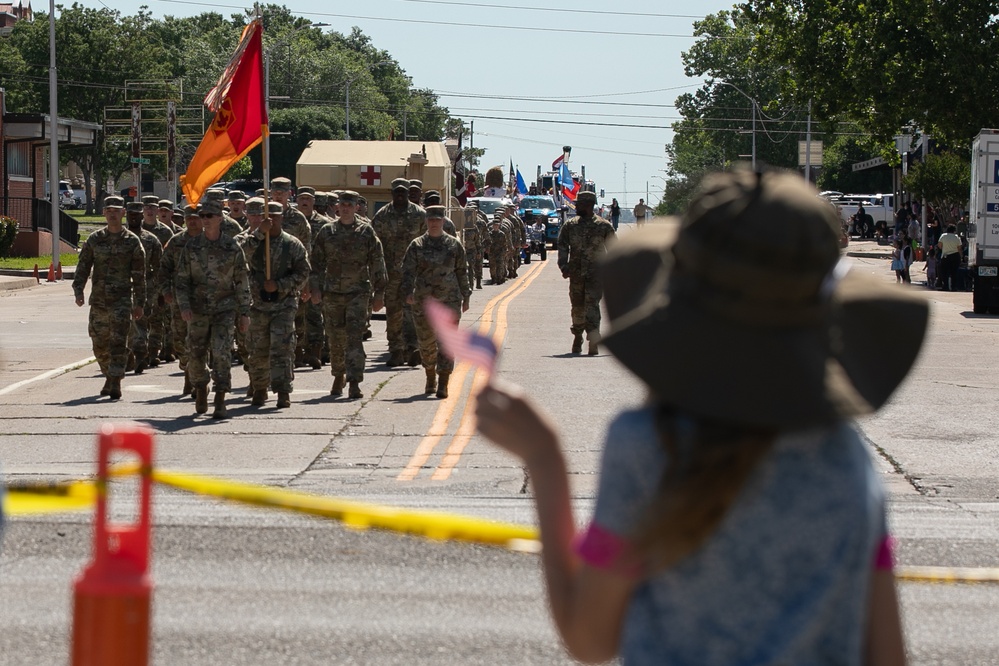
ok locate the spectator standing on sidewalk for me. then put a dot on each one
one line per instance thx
(738, 503)
(641, 212)
(950, 247)
(615, 213)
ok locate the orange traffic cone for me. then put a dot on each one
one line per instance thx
(113, 595)
(37, 279)
(51, 273)
(59, 271)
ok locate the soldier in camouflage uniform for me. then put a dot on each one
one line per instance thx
(415, 191)
(296, 224)
(236, 200)
(348, 266)
(227, 225)
(433, 198)
(315, 330)
(582, 242)
(435, 267)
(397, 224)
(143, 354)
(155, 314)
(115, 257)
(519, 232)
(275, 301)
(473, 235)
(168, 278)
(164, 214)
(211, 288)
(255, 214)
(499, 241)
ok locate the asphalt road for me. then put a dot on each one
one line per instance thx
(253, 586)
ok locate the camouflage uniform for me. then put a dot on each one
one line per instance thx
(348, 266)
(315, 330)
(498, 244)
(297, 225)
(582, 241)
(272, 323)
(434, 267)
(473, 235)
(212, 283)
(396, 230)
(158, 318)
(168, 279)
(140, 332)
(118, 264)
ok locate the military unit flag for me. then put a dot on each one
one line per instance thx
(240, 122)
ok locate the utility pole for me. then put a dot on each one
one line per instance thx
(54, 193)
(624, 185)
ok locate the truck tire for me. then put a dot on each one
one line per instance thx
(527, 256)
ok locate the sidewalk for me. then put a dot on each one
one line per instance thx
(11, 278)
(868, 249)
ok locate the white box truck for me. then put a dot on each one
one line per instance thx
(983, 227)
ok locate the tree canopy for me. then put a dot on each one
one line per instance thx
(310, 70)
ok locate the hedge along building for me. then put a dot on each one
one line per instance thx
(369, 167)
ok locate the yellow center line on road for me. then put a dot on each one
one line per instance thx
(447, 408)
(466, 428)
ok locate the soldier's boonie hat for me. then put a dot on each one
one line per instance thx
(400, 184)
(307, 191)
(275, 208)
(236, 195)
(416, 184)
(165, 203)
(150, 200)
(114, 202)
(190, 211)
(348, 196)
(435, 212)
(134, 207)
(586, 196)
(214, 194)
(431, 196)
(255, 206)
(281, 184)
(753, 277)
(209, 207)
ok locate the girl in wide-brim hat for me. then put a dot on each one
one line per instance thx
(739, 518)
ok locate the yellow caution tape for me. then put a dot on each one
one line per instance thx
(947, 574)
(358, 515)
(39, 498)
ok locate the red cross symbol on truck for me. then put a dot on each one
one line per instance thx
(371, 176)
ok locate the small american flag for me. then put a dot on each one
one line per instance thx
(460, 344)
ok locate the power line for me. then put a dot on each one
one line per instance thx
(554, 9)
(529, 28)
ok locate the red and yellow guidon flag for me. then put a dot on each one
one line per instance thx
(240, 121)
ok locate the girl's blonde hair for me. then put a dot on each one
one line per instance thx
(708, 465)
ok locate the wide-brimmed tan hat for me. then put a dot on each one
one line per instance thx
(743, 310)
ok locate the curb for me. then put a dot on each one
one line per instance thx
(868, 255)
(22, 283)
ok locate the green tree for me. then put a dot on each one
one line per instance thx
(886, 64)
(838, 159)
(303, 125)
(943, 180)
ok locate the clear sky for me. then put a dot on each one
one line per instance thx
(615, 65)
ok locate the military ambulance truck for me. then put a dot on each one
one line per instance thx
(983, 227)
(369, 167)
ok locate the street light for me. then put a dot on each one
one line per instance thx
(753, 104)
(351, 80)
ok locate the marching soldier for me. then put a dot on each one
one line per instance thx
(397, 225)
(168, 283)
(279, 269)
(164, 213)
(255, 214)
(315, 330)
(435, 267)
(211, 288)
(115, 257)
(296, 224)
(227, 225)
(155, 315)
(348, 265)
(582, 241)
(415, 191)
(140, 335)
(473, 235)
(433, 198)
(236, 200)
(499, 241)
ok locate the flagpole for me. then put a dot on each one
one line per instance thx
(265, 152)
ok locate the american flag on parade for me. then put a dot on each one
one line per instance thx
(460, 344)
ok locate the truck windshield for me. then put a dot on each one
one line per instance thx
(537, 202)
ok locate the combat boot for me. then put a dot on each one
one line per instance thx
(355, 391)
(431, 381)
(153, 359)
(415, 358)
(106, 389)
(187, 386)
(396, 358)
(312, 355)
(140, 365)
(283, 400)
(337, 386)
(366, 335)
(259, 397)
(249, 391)
(478, 283)
(130, 363)
(219, 412)
(200, 399)
(442, 384)
(594, 340)
(577, 343)
(300, 358)
(114, 388)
